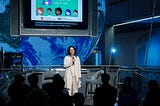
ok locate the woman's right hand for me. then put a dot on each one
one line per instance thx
(73, 60)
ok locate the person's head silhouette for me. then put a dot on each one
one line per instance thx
(33, 79)
(105, 78)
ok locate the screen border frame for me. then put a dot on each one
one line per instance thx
(92, 29)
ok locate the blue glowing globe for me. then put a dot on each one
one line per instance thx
(49, 50)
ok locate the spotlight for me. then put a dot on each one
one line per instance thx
(113, 50)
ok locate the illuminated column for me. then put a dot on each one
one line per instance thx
(109, 40)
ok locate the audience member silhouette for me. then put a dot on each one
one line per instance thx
(152, 97)
(37, 97)
(48, 87)
(105, 95)
(56, 92)
(78, 99)
(17, 91)
(33, 81)
(127, 94)
(2, 99)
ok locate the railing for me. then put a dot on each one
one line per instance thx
(9, 72)
(141, 77)
(117, 68)
(134, 70)
(138, 71)
(51, 67)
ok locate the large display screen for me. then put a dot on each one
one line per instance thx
(66, 14)
(53, 18)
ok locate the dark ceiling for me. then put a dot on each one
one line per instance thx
(120, 11)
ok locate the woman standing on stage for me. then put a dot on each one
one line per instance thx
(73, 71)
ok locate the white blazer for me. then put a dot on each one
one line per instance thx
(72, 70)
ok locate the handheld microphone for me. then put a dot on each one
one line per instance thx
(73, 60)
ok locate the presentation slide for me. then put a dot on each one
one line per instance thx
(57, 10)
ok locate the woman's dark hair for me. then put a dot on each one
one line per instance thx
(58, 9)
(68, 53)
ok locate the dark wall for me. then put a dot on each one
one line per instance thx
(127, 44)
(137, 48)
